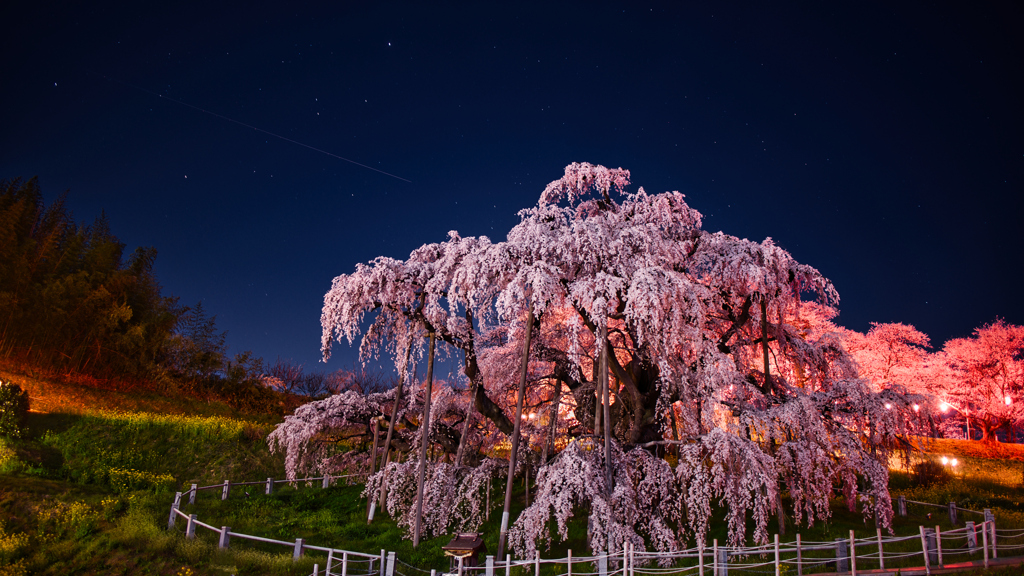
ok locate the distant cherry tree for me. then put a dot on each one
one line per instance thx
(891, 353)
(721, 396)
(984, 378)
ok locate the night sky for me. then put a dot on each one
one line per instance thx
(885, 148)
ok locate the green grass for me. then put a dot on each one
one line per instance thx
(88, 490)
(88, 486)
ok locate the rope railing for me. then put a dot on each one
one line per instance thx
(931, 547)
(352, 563)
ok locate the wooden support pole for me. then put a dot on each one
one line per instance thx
(391, 430)
(938, 543)
(373, 460)
(524, 365)
(608, 480)
(424, 441)
(552, 424)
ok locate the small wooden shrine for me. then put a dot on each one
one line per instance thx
(466, 545)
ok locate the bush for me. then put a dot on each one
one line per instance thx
(930, 472)
(13, 409)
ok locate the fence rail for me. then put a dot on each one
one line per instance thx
(930, 549)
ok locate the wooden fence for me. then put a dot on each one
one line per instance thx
(930, 549)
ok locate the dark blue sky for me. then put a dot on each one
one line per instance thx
(884, 146)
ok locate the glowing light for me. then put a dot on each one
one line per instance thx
(888, 406)
(943, 406)
(533, 415)
(945, 460)
(953, 462)
(1007, 400)
(917, 408)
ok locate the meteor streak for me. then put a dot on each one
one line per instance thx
(267, 132)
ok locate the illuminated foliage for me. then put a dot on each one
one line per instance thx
(710, 362)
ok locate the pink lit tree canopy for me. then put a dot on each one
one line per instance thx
(724, 389)
(983, 377)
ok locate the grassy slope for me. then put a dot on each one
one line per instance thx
(90, 486)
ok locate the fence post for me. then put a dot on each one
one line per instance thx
(381, 562)
(508, 565)
(952, 513)
(344, 563)
(881, 551)
(602, 564)
(902, 505)
(777, 568)
(390, 570)
(972, 537)
(799, 557)
(190, 529)
(270, 489)
(724, 561)
(330, 560)
(297, 552)
(174, 515)
(714, 557)
(327, 481)
(489, 566)
(938, 544)
(853, 555)
(192, 494)
(460, 565)
(225, 537)
(984, 541)
(316, 570)
(842, 555)
(995, 551)
(536, 563)
(924, 551)
(227, 490)
(700, 560)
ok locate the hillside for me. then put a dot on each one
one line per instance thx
(88, 488)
